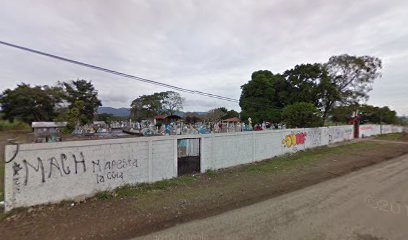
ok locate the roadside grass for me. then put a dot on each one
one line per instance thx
(285, 162)
(213, 173)
(6, 125)
(305, 158)
(392, 136)
(134, 190)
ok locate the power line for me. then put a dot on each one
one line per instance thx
(120, 73)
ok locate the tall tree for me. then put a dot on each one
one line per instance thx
(343, 80)
(353, 76)
(149, 106)
(263, 97)
(231, 114)
(82, 96)
(146, 106)
(368, 113)
(26, 103)
(304, 80)
(171, 102)
(216, 114)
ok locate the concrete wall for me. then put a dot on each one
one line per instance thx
(368, 130)
(52, 172)
(226, 150)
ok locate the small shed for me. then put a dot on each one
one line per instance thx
(47, 131)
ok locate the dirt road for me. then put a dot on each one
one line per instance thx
(369, 204)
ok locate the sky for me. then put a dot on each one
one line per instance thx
(211, 46)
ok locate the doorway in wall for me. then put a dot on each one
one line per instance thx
(188, 156)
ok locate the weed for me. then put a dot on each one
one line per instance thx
(391, 136)
(15, 125)
(212, 173)
(137, 189)
(104, 195)
(305, 157)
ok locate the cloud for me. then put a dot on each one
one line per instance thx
(211, 46)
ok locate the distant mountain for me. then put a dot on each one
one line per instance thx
(120, 112)
(183, 114)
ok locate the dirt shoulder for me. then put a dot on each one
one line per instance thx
(135, 211)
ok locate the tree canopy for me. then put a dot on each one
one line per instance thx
(83, 102)
(353, 76)
(171, 102)
(28, 104)
(343, 80)
(149, 106)
(302, 114)
(263, 97)
(368, 114)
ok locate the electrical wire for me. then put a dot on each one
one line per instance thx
(176, 88)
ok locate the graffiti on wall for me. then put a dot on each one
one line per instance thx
(294, 139)
(40, 170)
(366, 128)
(314, 137)
(339, 134)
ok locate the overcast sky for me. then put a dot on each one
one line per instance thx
(211, 46)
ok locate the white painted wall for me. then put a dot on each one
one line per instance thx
(52, 172)
(368, 130)
(48, 173)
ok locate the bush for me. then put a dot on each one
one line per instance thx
(302, 114)
(15, 125)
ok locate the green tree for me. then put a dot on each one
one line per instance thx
(192, 119)
(368, 113)
(263, 97)
(149, 106)
(304, 80)
(311, 83)
(171, 102)
(146, 106)
(353, 76)
(378, 115)
(302, 114)
(28, 104)
(342, 114)
(343, 80)
(221, 113)
(230, 114)
(82, 96)
(216, 114)
(74, 116)
(106, 117)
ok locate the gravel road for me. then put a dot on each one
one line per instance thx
(369, 204)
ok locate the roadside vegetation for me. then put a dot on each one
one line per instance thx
(280, 163)
(132, 211)
(6, 125)
(393, 137)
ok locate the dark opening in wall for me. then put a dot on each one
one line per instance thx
(188, 156)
